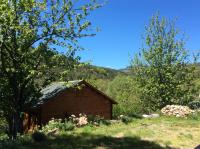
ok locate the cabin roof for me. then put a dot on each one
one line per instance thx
(56, 88)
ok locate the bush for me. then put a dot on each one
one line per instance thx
(82, 120)
(38, 136)
(125, 119)
(3, 125)
(57, 124)
(97, 120)
(3, 129)
(105, 122)
(194, 104)
(67, 126)
(3, 136)
(136, 116)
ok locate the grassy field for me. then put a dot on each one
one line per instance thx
(158, 133)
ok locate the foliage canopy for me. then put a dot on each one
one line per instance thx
(163, 70)
(30, 33)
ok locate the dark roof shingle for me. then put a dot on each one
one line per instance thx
(55, 88)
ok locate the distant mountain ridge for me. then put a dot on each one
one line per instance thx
(99, 72)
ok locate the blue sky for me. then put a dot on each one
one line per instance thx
(122, 24)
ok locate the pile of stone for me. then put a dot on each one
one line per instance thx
(176, 110)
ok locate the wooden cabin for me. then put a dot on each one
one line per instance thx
(61, 100)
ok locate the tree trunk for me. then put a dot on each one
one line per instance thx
(15, 123)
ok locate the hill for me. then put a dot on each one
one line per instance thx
(95, 72)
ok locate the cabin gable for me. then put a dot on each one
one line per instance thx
(82, 98)
(76, 101)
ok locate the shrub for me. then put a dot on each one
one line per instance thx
(136, 116)
(194, 104)
(97, 120)
(82, 120)
(58, 125)
(125, 119)
(52, 124)
(38, 136)
(3, 125)
(3, 136)
(3, 128)
(67, 126)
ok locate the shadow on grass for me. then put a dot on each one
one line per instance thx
(86, 141)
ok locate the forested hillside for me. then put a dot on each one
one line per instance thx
(92, 72)
(95, 72)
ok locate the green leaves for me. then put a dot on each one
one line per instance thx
(162, 69)
(30, 31)
(124, 90)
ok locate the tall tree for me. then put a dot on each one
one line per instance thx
(30, 31)
(162, 68)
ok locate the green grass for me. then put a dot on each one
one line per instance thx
(159, 133)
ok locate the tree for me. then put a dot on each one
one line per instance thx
(163, 68)
(124, 90)
(30, 31)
